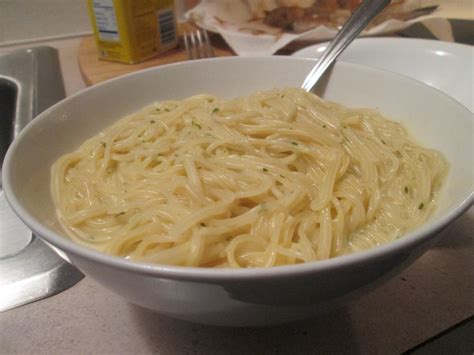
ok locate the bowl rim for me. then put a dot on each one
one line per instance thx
(413, 42)
(191, 273)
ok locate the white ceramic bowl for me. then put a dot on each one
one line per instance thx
(227, 296)
(443, 65)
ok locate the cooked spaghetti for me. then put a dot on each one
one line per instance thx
(279, 177)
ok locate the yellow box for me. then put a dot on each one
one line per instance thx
(131, 31)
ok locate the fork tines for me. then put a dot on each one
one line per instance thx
(198, 45)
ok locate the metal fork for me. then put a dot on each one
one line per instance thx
(359, 19)
(198, 45)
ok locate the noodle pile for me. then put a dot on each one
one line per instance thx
(279, 177)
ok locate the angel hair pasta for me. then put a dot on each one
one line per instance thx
(275, 178)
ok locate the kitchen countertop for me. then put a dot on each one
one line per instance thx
(427, 298)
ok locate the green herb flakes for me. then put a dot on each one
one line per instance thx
(421, 206)
(196, 124)
(215, 110)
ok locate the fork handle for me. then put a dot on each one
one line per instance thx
(359, 19)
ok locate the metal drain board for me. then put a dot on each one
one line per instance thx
(30, 82)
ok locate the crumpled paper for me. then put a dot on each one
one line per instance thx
(232, 19)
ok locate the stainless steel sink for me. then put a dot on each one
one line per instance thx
(30, 82)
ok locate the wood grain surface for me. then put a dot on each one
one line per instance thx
(94, 70)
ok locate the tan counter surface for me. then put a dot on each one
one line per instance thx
(430, 296)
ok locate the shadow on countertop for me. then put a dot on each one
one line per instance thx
(169, 336)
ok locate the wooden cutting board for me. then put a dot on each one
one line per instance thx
(94, 70)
